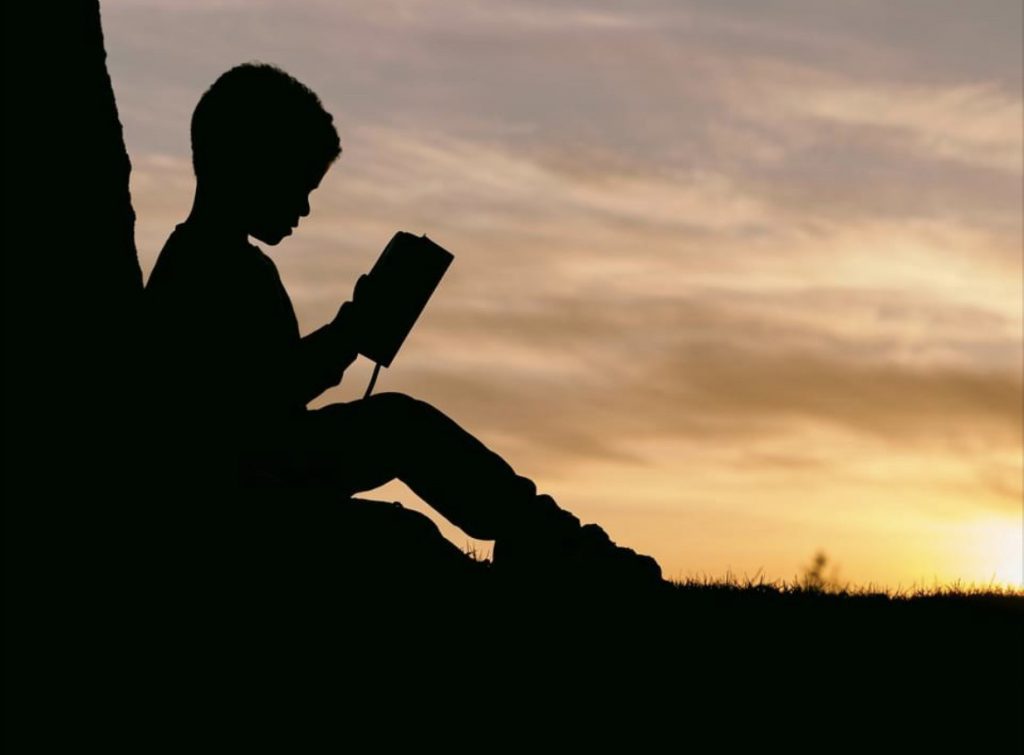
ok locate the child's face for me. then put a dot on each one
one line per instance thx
(275, 200)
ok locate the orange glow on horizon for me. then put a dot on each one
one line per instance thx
(733, 298)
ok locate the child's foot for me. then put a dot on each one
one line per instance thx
(557, 549)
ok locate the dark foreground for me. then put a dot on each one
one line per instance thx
(252, 626)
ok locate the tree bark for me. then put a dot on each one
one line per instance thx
(72, 292)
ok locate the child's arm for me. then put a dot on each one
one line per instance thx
(326, 353)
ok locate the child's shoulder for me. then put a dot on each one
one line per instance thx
(193, 261)
(196, 246)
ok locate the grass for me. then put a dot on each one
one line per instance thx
(803, 586)
(813, 582)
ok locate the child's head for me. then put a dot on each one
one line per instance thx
(261, 142)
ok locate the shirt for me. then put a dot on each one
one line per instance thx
(224, 347)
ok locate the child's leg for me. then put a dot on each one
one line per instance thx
(362, 444)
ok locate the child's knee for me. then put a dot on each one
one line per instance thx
(392, 401)
(400, 406)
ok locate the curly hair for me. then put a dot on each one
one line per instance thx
(255, 112)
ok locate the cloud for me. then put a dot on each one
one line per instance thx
(978, 124)
(708, 259)
(565, 383)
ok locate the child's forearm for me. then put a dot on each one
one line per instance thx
(326, 353)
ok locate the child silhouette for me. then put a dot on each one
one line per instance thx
(236, 374)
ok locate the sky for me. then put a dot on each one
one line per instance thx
(740, 280)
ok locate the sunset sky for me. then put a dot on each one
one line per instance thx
(738, 280)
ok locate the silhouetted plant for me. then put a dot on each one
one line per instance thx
(814, 578)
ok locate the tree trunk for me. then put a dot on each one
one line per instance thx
(72, 291)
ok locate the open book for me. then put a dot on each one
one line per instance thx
(403, 280)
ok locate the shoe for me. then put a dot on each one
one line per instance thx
(554, 549)
(617, 563)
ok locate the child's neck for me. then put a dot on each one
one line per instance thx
(212, 219)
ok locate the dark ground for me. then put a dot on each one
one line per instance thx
(255, 626)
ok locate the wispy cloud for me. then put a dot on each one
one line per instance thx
(757, 272)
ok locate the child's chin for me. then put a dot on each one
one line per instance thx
(272, 238)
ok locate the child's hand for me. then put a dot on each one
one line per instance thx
(362, 288)
(354, 316)
(360, 304)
